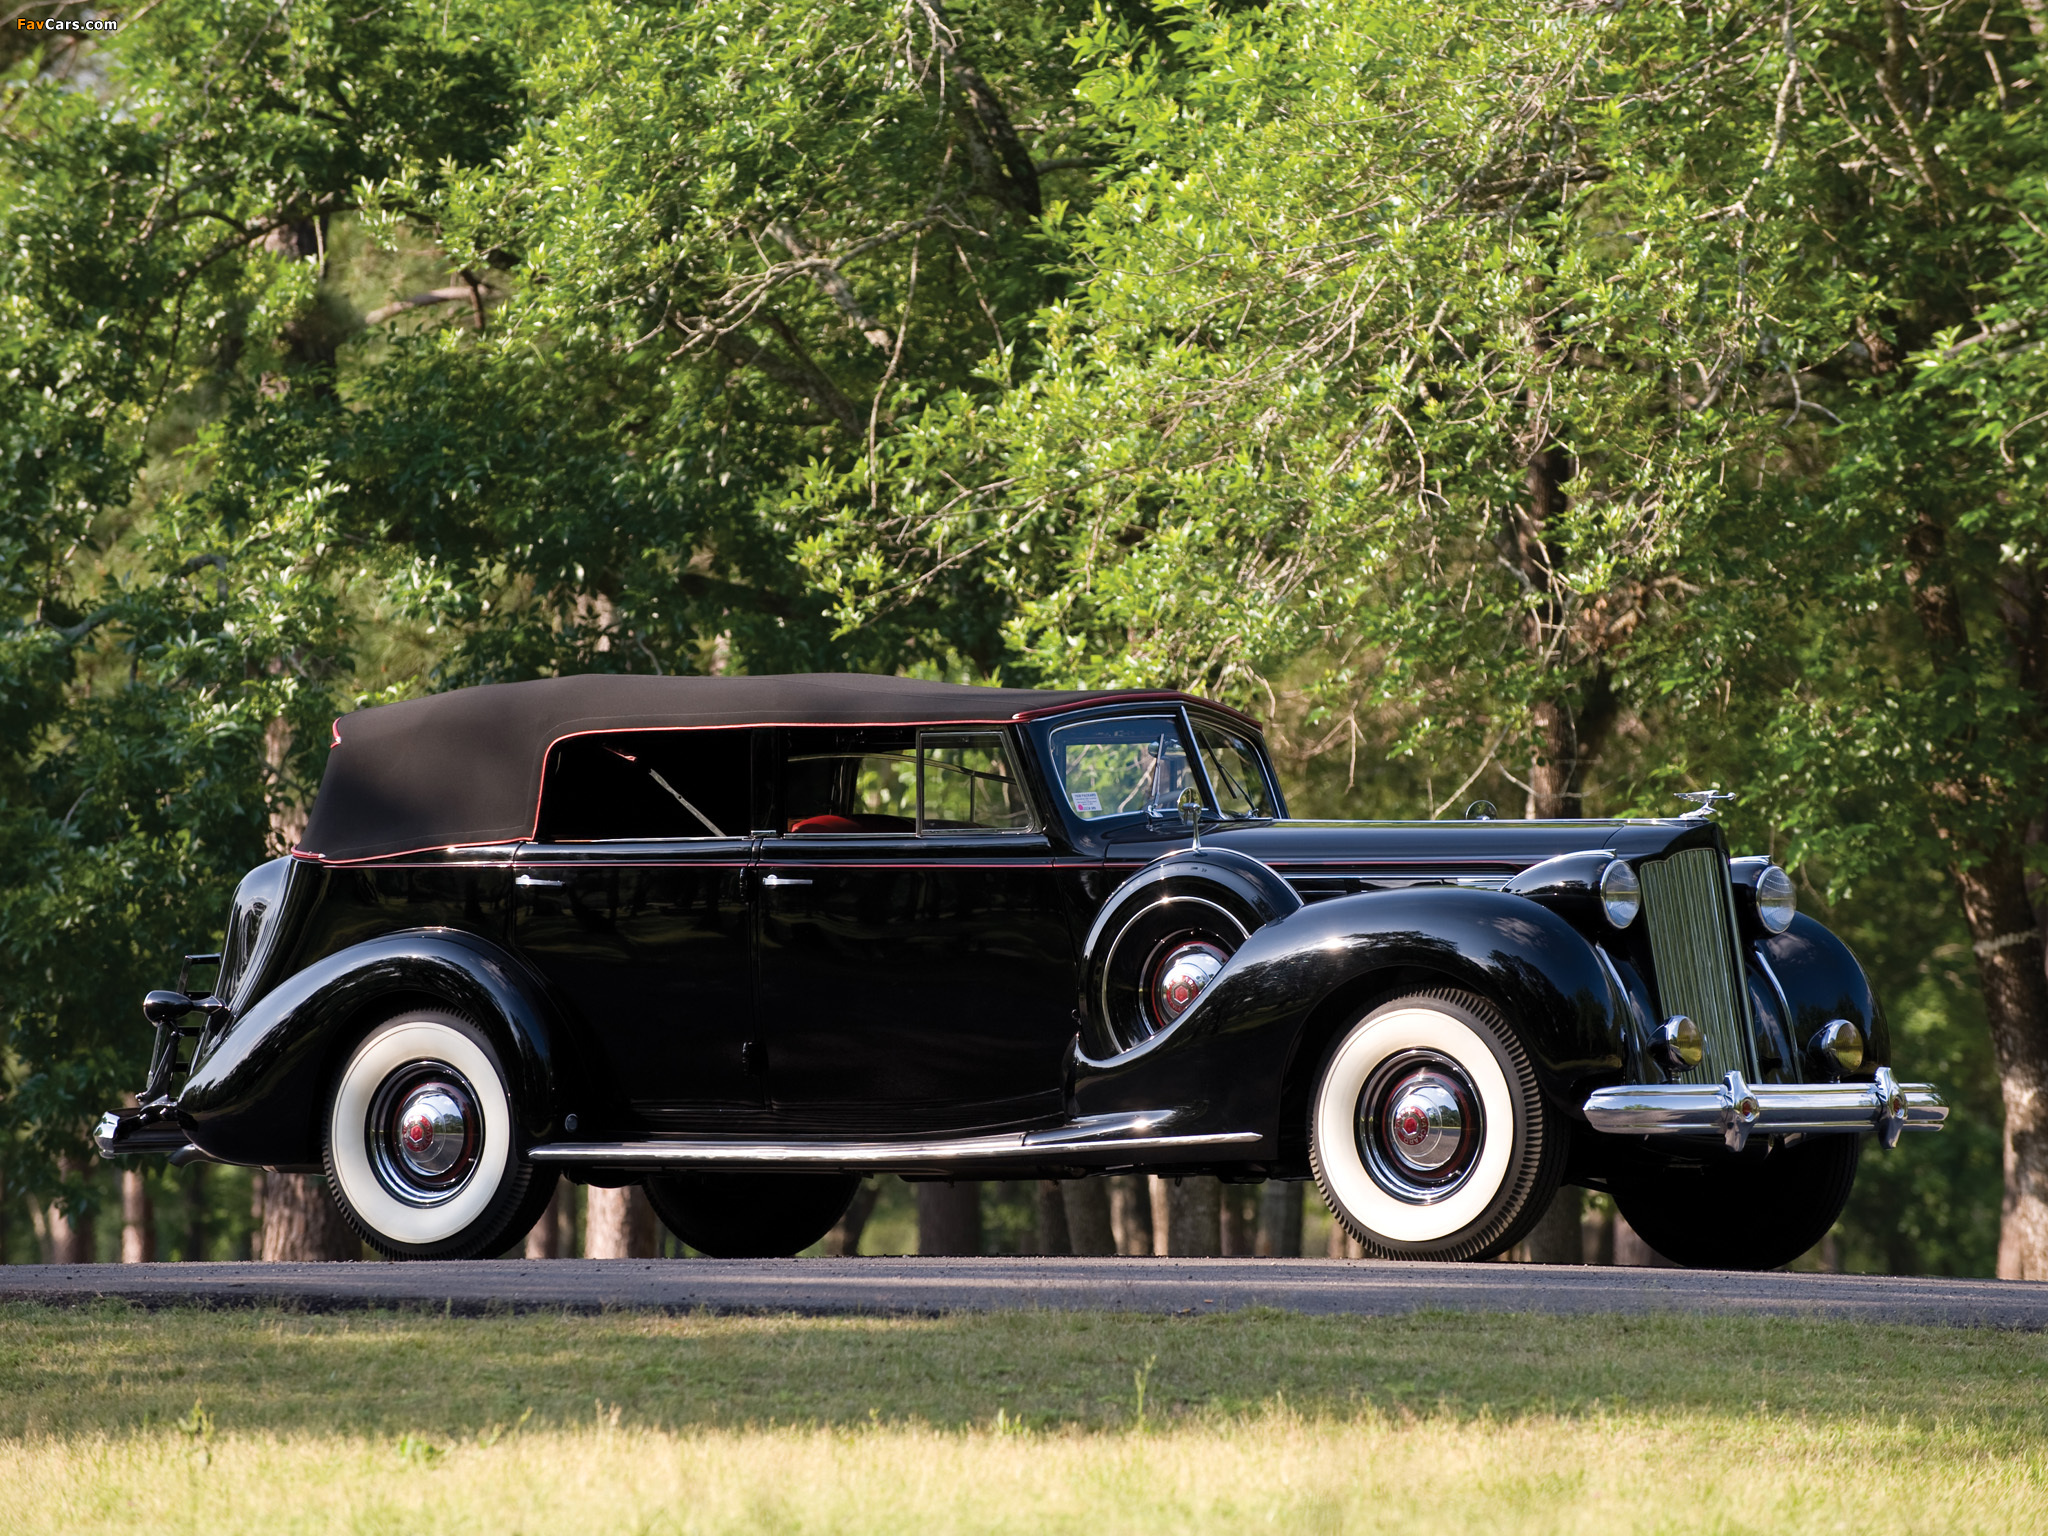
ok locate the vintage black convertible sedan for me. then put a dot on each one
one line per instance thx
(744, 940)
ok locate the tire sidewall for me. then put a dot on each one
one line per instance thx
(473, 1216)
(1470, 1221)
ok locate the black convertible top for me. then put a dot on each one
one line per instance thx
(465, 767)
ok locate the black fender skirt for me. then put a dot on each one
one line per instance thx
(1267, 1019)
(258, 1088)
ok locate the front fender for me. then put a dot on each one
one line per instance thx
(258, 1086)
(1271, 1010)
(1822, 981)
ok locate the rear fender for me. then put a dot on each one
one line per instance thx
(1272, 1011)
(258, 1086)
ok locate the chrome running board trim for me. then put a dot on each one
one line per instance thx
(1733, 1109)
(1105, 1140)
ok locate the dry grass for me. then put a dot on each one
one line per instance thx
(1018, 1422)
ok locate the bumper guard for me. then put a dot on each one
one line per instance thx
(1732, 1109)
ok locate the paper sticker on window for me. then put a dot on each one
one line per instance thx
(1087, 802)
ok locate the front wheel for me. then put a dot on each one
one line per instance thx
(750, 1215)
(1742, 1213)
(1429, 1135)
(420, 1148)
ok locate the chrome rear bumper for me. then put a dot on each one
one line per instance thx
(1732, 1109)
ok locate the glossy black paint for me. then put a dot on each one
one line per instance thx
(890, 985)
(648, 947)
(1276, 1007)
(257, 1092)
(913, 983)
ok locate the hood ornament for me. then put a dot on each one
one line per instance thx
(1704, 801)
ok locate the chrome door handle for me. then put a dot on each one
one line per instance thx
(781, 880)
(531, 880)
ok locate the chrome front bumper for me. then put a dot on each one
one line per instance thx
(1732, 1109)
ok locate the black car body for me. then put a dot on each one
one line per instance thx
(746, 939)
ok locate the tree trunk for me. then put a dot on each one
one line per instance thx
(195, 1211)
(844, 1238)
(619, 1224)
(1091, 1228)
(301, 1223)
(1053, 1236)
(1186, 1217)
(1279, 1233)
(545, 1240)
(1130, 1213)
(72, 1238)
(1631, 1251)
(257, 1189)
(1556, 1239)
(1596, 1235)
(949, 1218)
(138, 1219)
(1240, 1207)
(2008, 942)
(1990, 877)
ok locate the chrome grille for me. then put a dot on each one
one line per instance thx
(1691, 913)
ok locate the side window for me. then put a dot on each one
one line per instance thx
(1235, 772)
(881, 782)
(1120, 767)
(969, 785)
(646, 785)
(850, 782)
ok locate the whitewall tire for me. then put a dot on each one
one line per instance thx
(1428, 1133)
(420, 1143)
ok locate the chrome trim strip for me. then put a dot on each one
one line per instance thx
(1107, 1139)
(1734, 1109)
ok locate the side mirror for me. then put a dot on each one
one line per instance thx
(1190, 804)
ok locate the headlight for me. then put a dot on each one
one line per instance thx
(1775, 899)
(1621, 894)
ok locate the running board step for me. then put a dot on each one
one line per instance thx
(1099, 1141)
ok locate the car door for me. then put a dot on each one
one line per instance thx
(633, 901)
(915, 968)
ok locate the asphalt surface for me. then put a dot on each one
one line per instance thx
(931, 1286)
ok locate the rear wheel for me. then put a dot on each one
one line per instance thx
(1743, 1213)
(419, 1144)
(1429, 1136)
(750, 1215)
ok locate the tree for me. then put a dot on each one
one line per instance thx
(1494, 350)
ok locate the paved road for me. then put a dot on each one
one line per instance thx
(928, 1286)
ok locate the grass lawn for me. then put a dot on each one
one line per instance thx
(215, 1422)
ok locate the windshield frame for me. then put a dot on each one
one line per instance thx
(1123, 826)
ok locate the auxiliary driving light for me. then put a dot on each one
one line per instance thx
(1680, 1044)
(1838, 1044)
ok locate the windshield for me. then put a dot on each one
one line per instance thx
(1121, 767)
(1234, 770)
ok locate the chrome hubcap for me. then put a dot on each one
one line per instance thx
(424, 1133)
(1182, 977)
(1419, 1127)
(1425, 1123)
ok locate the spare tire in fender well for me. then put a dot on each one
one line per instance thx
(1230, 884)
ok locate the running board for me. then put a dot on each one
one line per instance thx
(1111, 1141)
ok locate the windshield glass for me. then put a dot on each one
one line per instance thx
(1234, 770)
(1121, 767)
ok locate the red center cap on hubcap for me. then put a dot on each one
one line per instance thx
(418, 1132)
(1412, 1126)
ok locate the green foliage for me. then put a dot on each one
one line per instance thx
(1602, 390)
